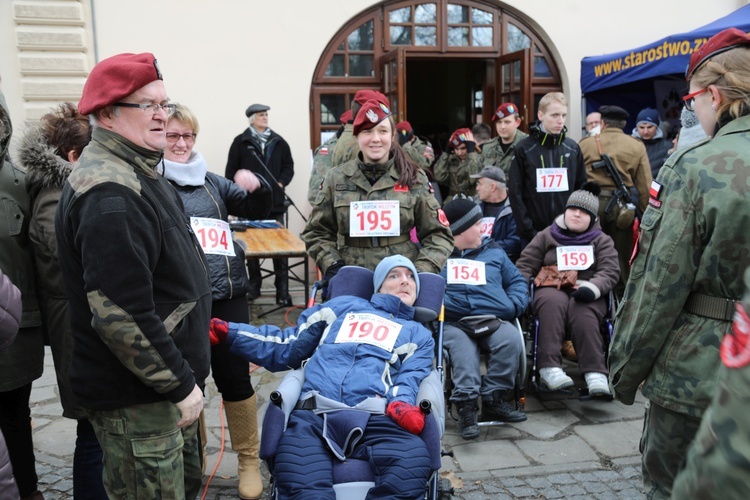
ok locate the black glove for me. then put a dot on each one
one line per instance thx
(471, 146)
(330, 273)
(584, 294)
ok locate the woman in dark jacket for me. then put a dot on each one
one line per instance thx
(208, 200)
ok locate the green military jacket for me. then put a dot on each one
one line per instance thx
(452, 172)
(694, 242)
(322, 163)
(327, 232)
(418, 158)
(493, 154)
(346, 147)
(424, 148)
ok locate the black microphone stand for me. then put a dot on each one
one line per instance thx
(287, 200)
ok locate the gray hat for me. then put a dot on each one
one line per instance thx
(491, 172)
(586, 198)
(256, 108)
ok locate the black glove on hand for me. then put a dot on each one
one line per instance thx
(584, 294)
(330, 273)
(471, 146)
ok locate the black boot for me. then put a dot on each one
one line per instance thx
(467, 419)
(254, 279)
(282, 282)
(497, 409)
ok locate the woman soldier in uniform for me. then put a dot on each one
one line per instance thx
(366, 207)
(687, 274)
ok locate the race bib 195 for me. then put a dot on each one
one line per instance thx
(374, 218)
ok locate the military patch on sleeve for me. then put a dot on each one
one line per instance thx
(442, 218)
(400, 189)
(654, 194)
(112, 205)
(735, 348)
(323, 150)
(432, 191)
(346, 187)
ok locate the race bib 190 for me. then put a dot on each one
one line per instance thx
(213, 235)
(550, 180)
(578, 258)
(466, 272)
(367, 328)
(374, 218)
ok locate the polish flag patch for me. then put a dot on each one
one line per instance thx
(654, 193)
(323, 150)
(400, 189)
(735, 348)
(442, 218)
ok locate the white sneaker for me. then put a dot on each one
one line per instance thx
(555, 378)
(597, 383)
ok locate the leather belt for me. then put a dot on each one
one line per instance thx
(607, 192)
(709, 306)
(306, 404)
(376, 241)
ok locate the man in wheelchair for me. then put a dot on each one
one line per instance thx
(485, 293)
(363, 361)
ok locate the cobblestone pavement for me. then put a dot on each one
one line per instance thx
(566, 449)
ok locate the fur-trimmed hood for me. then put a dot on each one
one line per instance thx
(44, 168)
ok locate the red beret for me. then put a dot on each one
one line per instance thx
(720, 42)
(403, 127)
(346, 116)
(371, 113)
(458, 137)
(362, 96)
(505, 109)
(115, 78)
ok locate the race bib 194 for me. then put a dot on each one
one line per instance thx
(578, 258)
(213, 235)
(367, 328)
(466, 272)
(550, 180)
(374, 218)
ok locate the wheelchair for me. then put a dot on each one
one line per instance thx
(531, 335)
(353, 478)
(519, 389)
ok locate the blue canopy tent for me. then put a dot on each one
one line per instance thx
(652, 75)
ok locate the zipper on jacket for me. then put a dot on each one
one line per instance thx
(226, 257)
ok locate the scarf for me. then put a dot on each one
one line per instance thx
(262, 137)
(566, 237)
(192, 173)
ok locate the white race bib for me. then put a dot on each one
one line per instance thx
(577, 258)
(550, 180)
(466, 272)
(213, 235)
(367, 328)
(487, 224)
(374, 218)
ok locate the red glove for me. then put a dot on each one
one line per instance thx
(218, 330)
(408, 416)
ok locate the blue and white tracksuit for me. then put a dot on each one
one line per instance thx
(348, 372)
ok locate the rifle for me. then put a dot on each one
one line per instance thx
(622, 195)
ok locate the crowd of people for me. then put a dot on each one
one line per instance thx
(119, 254)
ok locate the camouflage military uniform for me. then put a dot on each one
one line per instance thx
(693, 248)
(452, 172)
(326, 234)
(322, 163)
(346, 147)
(718, 462)
(424, 148)
(140, 302)
(418, 158)
(493, 154)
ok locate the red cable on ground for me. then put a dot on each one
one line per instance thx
(221, 450)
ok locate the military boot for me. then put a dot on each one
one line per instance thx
(242, 420)
(467, 419)
(497, 409)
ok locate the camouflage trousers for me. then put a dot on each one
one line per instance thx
(146, 455)
(666, 438)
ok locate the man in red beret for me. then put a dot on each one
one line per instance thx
(419, 151)
(140, 297)
(346, 148)
(323, 156)
(457, 163)
(499, 150)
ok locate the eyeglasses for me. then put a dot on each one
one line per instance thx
(689, 99)
(175, 137)
(148, 108)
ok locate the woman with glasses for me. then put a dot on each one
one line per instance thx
(686, 275)
(209, 199)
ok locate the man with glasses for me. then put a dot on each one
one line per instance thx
(138, 287)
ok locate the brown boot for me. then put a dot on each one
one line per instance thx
(242, 420)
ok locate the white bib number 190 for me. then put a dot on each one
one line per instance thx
(366, 328)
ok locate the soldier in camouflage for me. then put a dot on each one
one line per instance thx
(138, 286)
(687, 273)
(718, 462)
(406, 139)
(353, 223)
(499, 151)
(455, 166)
(323, 158)
(347, 148)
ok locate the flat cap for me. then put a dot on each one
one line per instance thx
(613, 113)
(491, 172)
(115, 78)
(720, 42)
(256, 108)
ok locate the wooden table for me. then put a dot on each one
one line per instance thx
(276, 243)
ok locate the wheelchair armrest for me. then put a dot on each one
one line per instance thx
(431, 389)
(289, 389)
(283, 400)
(431, 437)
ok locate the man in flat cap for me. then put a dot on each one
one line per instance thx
(264, 152)
(139, 294)
(629, 156)
(498, 222)
(499, 151)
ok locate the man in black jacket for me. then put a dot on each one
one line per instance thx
(264, 152)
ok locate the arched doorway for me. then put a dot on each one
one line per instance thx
(443, 64)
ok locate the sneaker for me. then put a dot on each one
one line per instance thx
(500, 411)
(597, 384)
(554, 378)
(568, 351)
(467, 419)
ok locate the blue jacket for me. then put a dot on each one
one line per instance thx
(505, 295)
(504, 230)
(349, 372)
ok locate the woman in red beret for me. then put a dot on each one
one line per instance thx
(686, 276)
(366, 207)
(457, 163)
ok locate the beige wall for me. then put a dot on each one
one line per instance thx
(220, 56)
